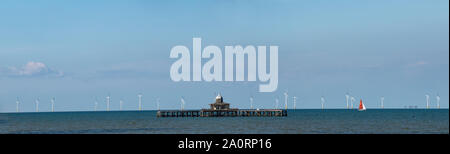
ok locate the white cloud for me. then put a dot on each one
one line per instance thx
(31, 69)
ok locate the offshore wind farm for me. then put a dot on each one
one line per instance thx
(348, 102)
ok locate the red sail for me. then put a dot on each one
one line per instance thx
(360, 105)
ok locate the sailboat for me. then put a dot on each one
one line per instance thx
(361, 106)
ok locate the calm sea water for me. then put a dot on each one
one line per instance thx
(306, 121)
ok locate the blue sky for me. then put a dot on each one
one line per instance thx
(79, 51)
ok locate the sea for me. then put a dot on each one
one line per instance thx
(300, 121)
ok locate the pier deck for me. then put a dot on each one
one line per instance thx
(222, 113)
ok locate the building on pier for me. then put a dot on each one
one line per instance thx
(219, 104)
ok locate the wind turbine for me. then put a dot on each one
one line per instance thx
(53, 104)
(251, 102)
(276, 103)
(428, 100)
(285, 100)
(140, 102)
(17, 104)
(382, 102)
(295, 102)
(37, 105)
(108, 99)
(352, 99)
(346, 98)
(157, 103)
(95, 104)
(120, 104)
(322, 99)
(438, 99)
(182, 103)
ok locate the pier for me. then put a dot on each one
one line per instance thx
(222, 109)
(222, 113)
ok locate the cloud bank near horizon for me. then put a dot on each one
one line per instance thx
(30, 69)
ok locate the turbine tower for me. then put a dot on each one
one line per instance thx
(17, 104)
(120, 105)
(295, 102)
(108, 99)
(352, 99)
(322, 99)
(53, 104)
(251, 102)
(276, 103)
(285, 100)
(382, 102)
(438, 99)
(157, 103)
(37, 105)
(95, 105)
(346, 98)
(140, 102)
(428, 100)
(182, 103)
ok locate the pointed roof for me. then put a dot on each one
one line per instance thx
(219, 96)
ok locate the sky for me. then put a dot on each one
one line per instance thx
(81, 51)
